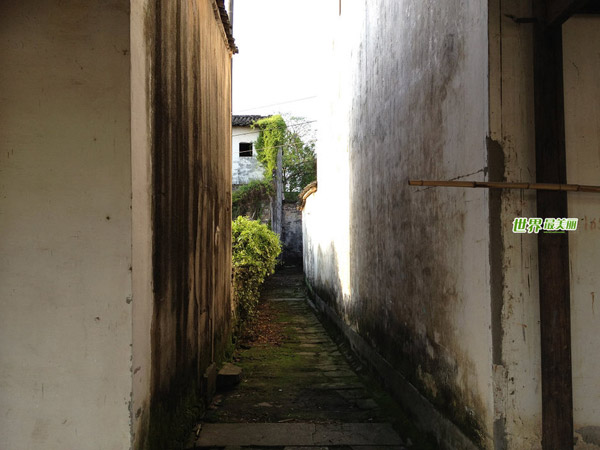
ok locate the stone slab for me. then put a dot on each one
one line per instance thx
(353, 394)
(229, 375)
(356, 434)
(287, 299)
(305, 448)
(297, 434)
(332, 367)
(366, 404)
(266, 434)
(338, 386)
(339, 373)
(378, 447)
(210, 383)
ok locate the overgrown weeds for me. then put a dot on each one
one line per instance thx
(251, 199)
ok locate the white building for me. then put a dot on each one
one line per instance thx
(244, 163)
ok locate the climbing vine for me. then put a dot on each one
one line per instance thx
(272, 137)
(299, 163)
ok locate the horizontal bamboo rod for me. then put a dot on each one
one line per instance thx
(504, 185)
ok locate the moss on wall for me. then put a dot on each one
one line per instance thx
(191, 161)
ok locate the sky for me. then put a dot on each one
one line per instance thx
(281, 45)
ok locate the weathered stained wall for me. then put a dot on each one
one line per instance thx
(581, 41)
(245, 169)
(442, 267)
(115, 142)
(291, 234)
(515, 301)
(411, 276)
(515, 293)
(191, 160)
(65, 220)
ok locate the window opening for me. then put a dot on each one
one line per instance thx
(245, 149)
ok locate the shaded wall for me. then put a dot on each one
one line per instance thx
(408, 269)
(65, 221)
(291, 234)
(191, 159)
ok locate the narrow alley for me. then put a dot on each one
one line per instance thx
(301, 388)
(433, 167)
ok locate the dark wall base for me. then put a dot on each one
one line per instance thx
(428, 419)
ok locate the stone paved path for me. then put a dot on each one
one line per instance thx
(298, 390)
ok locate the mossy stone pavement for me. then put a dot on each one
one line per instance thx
(298, 388)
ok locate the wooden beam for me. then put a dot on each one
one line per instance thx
(558, 11)
(553, 249)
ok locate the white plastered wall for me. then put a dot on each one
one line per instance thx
(65, 221)
(581, 56)
(518, 381)
(325, 219)
(364, 225)
(141, 163)
(517, 376)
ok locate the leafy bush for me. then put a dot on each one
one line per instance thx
(255, 252)
(250, 199)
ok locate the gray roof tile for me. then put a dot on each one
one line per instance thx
(245, 121)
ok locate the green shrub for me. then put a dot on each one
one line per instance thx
(250, 199)
(255, 252)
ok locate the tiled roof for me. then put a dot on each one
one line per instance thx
(310, 189)
(222, 12)
(244, 121)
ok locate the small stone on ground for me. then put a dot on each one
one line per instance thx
(229, 375)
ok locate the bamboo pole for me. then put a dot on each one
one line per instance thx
(505, 185)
